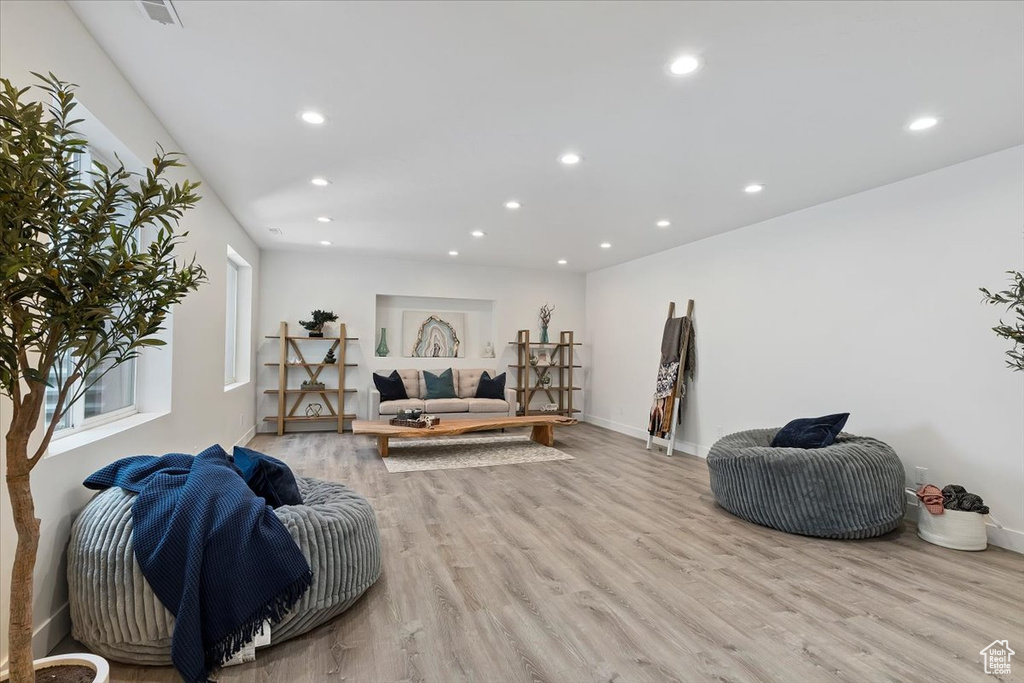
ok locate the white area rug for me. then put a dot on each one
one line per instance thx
(414, 455)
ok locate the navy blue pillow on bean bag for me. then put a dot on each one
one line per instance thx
(267, 477)
(811, 432)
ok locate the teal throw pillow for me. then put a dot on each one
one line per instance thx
(439, 386)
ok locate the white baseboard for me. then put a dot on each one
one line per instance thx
(247, 437)
(1010, 539)
(628, 430)
(639, 433)
(49, 633)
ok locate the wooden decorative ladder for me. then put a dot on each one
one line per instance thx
(671, 409)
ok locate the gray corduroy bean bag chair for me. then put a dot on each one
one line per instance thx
(851, 489)
(116, 614)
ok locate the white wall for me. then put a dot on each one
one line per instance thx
(293, 283)
(868, 304)
(46, 36)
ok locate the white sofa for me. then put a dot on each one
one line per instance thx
(467, 406)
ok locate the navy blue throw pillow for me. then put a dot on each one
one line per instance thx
(491, 388)
(267, 477)
(811, 432)
(391, 388)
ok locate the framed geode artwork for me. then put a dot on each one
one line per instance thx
(433, 334)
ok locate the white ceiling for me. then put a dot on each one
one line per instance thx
(442, 111)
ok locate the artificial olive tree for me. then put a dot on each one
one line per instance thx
(89, 274)
(1013, 299)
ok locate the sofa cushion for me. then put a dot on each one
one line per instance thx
(392, 407)
(411, 380)
(423, 381)
(491, 387)
(468, 382)
(487, 405)
(441, 385)
(391, 387)
(446, 405)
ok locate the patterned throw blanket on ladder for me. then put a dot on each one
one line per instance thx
(665, 401)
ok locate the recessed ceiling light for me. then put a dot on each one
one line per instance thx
(320, 182)
(922, 123)
(562, 261)
(324, 219)
(570, 158)
(325, 243)
(512, 204)
(606, 245)
(478, 233)
(453, 253)
(684, 65)
(314, 117)
(663, 223)
(753, 188)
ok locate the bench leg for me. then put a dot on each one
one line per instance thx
(382, 446)
(544, 434)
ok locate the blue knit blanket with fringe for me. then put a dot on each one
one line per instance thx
(214, 553)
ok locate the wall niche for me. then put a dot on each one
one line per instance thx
(404, 316)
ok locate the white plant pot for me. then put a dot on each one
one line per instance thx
(952, 529)
(97, 664)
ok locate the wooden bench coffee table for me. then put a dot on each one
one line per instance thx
(543, 428)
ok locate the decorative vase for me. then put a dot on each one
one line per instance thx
(382, 348)
(544, 334)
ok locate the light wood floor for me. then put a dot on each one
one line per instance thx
(618, 566)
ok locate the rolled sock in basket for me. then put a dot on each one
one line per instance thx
(932, 498)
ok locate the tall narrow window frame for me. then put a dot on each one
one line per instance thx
(237, 321)
(231, 325)
(114, 396)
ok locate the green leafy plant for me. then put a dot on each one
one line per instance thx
(88, 277)
(316, 325)
(1013, 299)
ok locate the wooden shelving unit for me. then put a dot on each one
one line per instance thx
(561, 369)
(291, 344)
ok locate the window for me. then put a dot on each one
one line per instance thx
(110, 392)
(231, 328)
(237, 321)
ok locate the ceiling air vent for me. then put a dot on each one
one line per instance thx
(161, 11)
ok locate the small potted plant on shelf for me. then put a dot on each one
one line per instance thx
(81, 295)
(315, 327)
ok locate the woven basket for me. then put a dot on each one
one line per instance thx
(953, 529)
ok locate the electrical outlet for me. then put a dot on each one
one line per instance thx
(721, 431)
(241, 419)
(920, 475)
